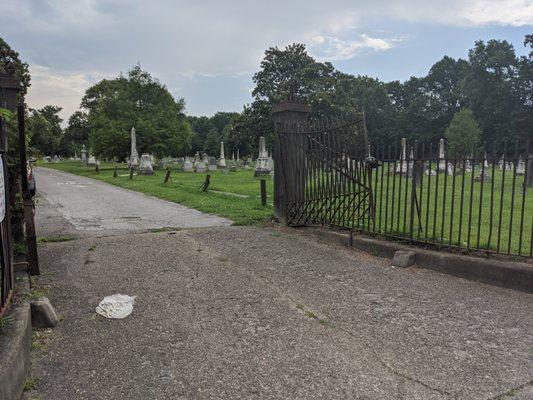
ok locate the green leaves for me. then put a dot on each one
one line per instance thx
(5, 113)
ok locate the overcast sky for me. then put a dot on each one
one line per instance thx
(206, 51)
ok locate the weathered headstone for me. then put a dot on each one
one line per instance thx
(213, 164)
(263, 164)
(442, 155)
(401, 167)
(188, 165)
(200, 166)
(55, 159)
(520, 167)
(83, 155)
(222, 160)
(146, 166)
(92, 160)
(134, 156)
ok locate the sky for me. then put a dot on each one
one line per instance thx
(206, 51)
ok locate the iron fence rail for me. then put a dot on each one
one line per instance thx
(475, 201)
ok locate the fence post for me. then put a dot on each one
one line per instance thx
(263, 192)
(167, 175)
(131, 172)
(115, 172)
(96, 167)
(205, 185)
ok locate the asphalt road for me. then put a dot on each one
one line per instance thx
(96, 208)
(269, 313)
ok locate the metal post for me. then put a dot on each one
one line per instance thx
(263, 192)
(29, 207)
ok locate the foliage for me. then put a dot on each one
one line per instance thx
(210, 131)
(493, 82)
(45, 125)
(463, 134)
(137, 100)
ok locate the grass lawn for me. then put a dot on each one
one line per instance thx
(460, 212)
(185, 189)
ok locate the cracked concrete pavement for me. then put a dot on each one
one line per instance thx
(270, 313)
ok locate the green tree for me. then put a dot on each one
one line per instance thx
(463, 134)
(45, 125)
(114, 106)
(76, 134)
(212, 142)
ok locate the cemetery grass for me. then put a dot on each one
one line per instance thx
(185, 189)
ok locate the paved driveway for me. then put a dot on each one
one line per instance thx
(97, 208)
(257, 313)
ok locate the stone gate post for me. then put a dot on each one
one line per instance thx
(289, 185)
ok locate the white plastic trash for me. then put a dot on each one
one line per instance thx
(117, 306)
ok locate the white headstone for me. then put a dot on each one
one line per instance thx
(134, 156)
(83, 154)
(222, 160)
(402, 166)
(263, 165)
(146, 166)
(442, 156)
(188, 165)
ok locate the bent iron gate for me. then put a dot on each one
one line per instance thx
(322, 173)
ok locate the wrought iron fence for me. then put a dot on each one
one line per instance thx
(474, 201)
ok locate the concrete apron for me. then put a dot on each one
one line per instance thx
(508, 274)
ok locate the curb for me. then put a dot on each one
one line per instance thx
(507, 274)
(15, 343)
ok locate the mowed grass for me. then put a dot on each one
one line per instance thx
(185, 189)
(494, 215)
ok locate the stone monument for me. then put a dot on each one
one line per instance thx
(222, 160)
(263, 165)
(442, 162)
(188, 165)
(146, 166)
(134, 156)
(91, 160)
(402, 166)
(83, 155)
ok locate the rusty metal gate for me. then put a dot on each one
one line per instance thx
(322, 172)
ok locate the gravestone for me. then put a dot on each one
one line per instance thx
(521, 167)
(213, 164)
(442, 155)
(146, 166)
(46, 159)
(483, 177)
(91, 160)
(55, 159)
(188, 165)
(263, 164)
(83, 155)
(200, 166)
(402, 166)
(222, 160)
(134, 156)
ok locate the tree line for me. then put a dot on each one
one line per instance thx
(492, 86)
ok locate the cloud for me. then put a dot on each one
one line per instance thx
(186, 40)
(59, 88)
(503, 12)
(333, 49)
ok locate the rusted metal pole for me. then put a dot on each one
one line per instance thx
(167, 175)
(263, 192)
(29, 207)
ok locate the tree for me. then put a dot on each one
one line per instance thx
(463, 134)
(45, 125)
(114, 106)
(76, 134)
